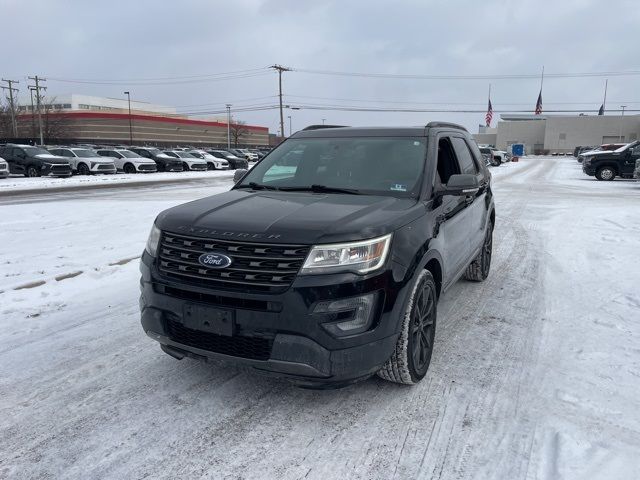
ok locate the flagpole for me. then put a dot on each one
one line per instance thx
(542, 78)
(489, 92)
(604, 102)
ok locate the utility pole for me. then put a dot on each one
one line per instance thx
(12, 105)
(33, 113)
(37, 88)
(128, 94)
(621, 121)
(323, 120)
(280, 69)
(290, 129)
(228, 125)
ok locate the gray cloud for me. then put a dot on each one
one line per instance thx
(150, 39)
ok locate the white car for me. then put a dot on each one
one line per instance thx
(127, 161)
(189, 162)
(84, 161)
(213, 163)
(4, 168)
(248, 155)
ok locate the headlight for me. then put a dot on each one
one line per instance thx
(153, 241)
(361, 257)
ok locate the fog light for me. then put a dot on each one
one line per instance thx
(347, 316)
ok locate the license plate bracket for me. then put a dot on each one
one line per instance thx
(220, 321)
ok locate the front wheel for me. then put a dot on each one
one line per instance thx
(478, 270)
(606, 173)
(185, 167)
(410, 359)
(32, 171)
(129, 168)
(83, 169)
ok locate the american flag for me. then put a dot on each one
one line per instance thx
(539, 104)
(489, 116)
(601, 111)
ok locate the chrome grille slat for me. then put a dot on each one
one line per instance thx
(256, 266)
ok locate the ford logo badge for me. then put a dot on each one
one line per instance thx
(214, 260)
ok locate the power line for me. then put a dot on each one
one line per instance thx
(182, 77)
(466, 77)
(161, 82)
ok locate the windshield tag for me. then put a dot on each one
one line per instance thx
(398, 187)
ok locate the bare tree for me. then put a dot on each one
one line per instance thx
(238, 130)
(6, 127)
(55, 124)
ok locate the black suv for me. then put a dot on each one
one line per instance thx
(609, 165)
(234, 161)
(164, 162)
(34, 161)
(325, 266)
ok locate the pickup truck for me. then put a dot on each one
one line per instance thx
(617, 163)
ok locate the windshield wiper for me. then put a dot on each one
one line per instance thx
(257, 186)
(321, 189)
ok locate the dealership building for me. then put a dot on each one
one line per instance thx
(88, 119)
(559, 133)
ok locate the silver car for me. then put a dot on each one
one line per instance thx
(85, 161)
(4, 168)
(636, 171)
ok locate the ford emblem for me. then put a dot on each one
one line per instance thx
(214, 260)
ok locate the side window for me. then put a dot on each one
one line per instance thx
(447, 163)
(465, 158)
(67, 153)
(636, 151)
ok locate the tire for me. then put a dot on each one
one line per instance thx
(32, 171)
(497, 162)
(129, 168)
(185, 167)
(410, 360)
(606, 173)
(83, 169)
(211, 166)
(478, 270)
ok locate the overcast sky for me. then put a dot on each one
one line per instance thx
(132, 40)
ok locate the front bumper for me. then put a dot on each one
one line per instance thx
(588, 169)
(299, 347)
(197, 167)
(56, 170)
(147, 168)
(4, 173)
(104, 168)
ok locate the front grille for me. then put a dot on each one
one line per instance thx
(3, 166)
(259, 267)
(223, 301)
(106, 167)
(198, 167)
(254, 348)
(60, 169)
(147, 168)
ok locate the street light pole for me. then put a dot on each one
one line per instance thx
(323, 120)
(130, 124)
(228, 125)
(621, 121)
(290, 130)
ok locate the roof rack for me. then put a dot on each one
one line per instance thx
(319, 127)
(446, 125)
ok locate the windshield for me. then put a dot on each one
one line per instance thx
(85, 153)
(154, 151)
(36, 151)
(128, 154)
(374, 165)
(184, 155)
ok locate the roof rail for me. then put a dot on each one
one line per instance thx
(319, 127)
(446, 125)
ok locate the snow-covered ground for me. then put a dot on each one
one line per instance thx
(535, 373)
(20, 183)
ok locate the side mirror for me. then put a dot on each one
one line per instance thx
(460, 185)
(239, 174)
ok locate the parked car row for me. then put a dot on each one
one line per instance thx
(622, 162)
(63, 161)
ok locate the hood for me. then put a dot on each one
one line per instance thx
(290, 217)
(598, 152)
(47, 157)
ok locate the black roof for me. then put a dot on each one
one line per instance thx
(318, 131)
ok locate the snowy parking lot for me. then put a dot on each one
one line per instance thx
(535, 372)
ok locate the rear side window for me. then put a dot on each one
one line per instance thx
(465, 157)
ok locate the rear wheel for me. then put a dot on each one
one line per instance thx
(32, 171)
(606, 173)
(83, 169)
(185, 167)
(478, 270)
(129, 168)
(410, 359)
